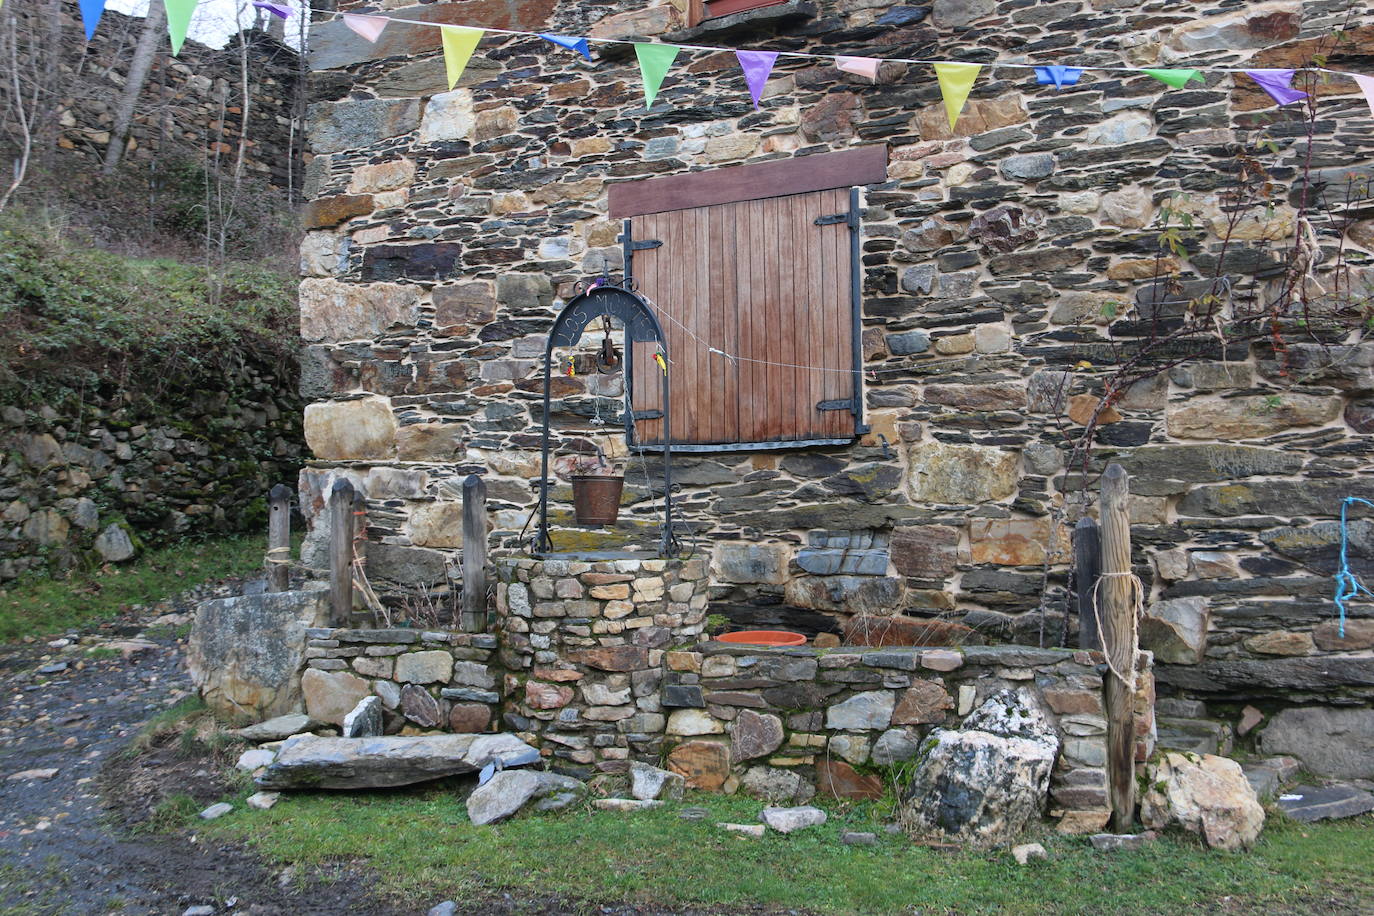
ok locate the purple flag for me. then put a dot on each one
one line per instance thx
(1278, 83)
(280, 10)
(756, 66)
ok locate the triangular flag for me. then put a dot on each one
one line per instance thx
(859, 66)
(956, 82)
(1177, 78)
(654, 62)
(368, 27)
(459, 43)
(280, 10)
(179, 13)
(90, 15)
(570, 42)
(756, 66)
(1367, 86)
(1278, 84)
(1058, 76)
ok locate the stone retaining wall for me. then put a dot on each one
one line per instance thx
(784, 723)
(427, 680)
(584, 643)
(96, 484)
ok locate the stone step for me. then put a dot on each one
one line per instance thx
(310, 762)
(1310, 803)
(1198, 736)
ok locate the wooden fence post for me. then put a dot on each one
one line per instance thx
(279, 538)
(1116, 600)
(1087, 566)
(340, 552)
(474, 618)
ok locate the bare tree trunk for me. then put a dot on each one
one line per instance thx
(144, 53)
(22, 111)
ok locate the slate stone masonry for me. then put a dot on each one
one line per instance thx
(583, 643)
(997, 259)
(427, 680)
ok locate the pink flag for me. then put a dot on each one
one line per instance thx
(1367, 86)
(1278, 84)
(369, 27)
(860, 66)
(756, 66)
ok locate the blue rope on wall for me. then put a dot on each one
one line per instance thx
(1347, 586)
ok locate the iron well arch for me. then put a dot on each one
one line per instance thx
(641, 326)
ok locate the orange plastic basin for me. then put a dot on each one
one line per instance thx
(764, 638)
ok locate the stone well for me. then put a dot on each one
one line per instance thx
(583, 640)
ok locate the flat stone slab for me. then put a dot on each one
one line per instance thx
(311, 762)
(278, 728)
(1309, 803)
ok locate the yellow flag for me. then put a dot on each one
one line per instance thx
(459, 43)
(956, 82)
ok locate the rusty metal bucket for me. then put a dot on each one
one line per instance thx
(596, 499)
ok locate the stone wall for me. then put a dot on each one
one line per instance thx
(427, 680)
(584, 643)
(784, 723)
(1000, 262)
(190, 103)
(97, 485)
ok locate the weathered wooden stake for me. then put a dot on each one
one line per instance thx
(1116, 601)
(474, 554)
(279, 538)
(1087, 566)
(340, 552)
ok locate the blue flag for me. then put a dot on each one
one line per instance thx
(90, 15)
(571, 43)
(1058, 76)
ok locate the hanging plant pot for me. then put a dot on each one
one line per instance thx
(596, 498)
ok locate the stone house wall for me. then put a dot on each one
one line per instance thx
(1000, 260)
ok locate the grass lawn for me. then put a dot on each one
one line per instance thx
(423, 848)
(39, 606)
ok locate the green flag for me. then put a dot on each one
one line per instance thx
(654, 62)
(179, 14)
(1177, 78)
(459, 43)
(956, 82)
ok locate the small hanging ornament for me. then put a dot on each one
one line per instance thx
(662, 361)
(572, 368)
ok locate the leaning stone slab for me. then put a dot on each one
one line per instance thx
(509, 791)
(365, 721)
(310, 762)
(649, 782)
(278, 729)
(1309, 803)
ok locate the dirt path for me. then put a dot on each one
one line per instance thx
(70, 841)
(77, 840)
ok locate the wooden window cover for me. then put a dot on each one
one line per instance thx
(756, 181)
(713, 8)
(758, 279)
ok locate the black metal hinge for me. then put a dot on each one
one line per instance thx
(845, 404)
(645, 244)
(648, 415)
(832, 219)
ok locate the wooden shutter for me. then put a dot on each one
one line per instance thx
(768, 281)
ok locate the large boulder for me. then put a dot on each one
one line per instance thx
(245, 653)
(1208, 795)
(1333, 743)
(310, 762)
(985, 783)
